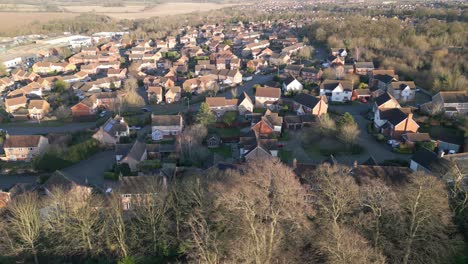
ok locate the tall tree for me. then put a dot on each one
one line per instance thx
(205, 116)
(25, 224)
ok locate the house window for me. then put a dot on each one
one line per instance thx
(31, 148)
(127, 195)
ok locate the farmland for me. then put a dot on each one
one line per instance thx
(14, 16)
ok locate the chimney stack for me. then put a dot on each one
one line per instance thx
(355, 164)
(294, 163)
(441, 154)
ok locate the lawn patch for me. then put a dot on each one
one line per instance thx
(223, 150)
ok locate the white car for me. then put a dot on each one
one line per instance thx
(103, 113)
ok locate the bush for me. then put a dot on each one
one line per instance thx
(380, 137)
(430, 145)
(122, 168)
(149, 165)
(109, 175)
(50, 162)
(82, 150)
(402, 149)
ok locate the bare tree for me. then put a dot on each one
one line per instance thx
(25, 224)
(426, 220)
(338, 192)
(326, 124)
(116, 227)
(192, 137)
(150, 218)
(348, 132)
(261, 203)
(131, 97)
(344, 245)
(74, 223)
(380, 200)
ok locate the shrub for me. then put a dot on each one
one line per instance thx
(50, 162)
(122, 168)
(109, 175)
(82, 150)
(430, 145)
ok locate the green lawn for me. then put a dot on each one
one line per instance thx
(225, 132)
(286, 156)
(223, 150)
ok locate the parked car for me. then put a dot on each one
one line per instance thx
(144, 109)
(103, 113)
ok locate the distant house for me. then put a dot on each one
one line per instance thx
(220, 105)
(267, 96)
(453, 103)
(133, 189)
(339, 52)
(87, 107)
(278, 59)
(293, 69)
(402, 91)
(155, 94)
(363, 68)
(385, 101)
(166, 126)
(46, 67)
(5, 83)
(24, 147)
(306, 104)
(131, 154)
(411, 139)
(173, 94)
(245, 104)
(14, 101)
(381, 79)
(359, 94)
(291, 84)
(337, 90)
(38, 109)
(111, 132)
(269, 123)
(311, 73)
(395, 122)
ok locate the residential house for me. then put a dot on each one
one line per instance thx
(173, 94)
(245, 104)
(133, 189)
(337, 90)
(381, 79)
(33, 89)
(15, 100)
(24, 147)
(257, 64)
(220, 105)
(131, 154)
(306, 104)
(166, 126)
(84, 108)
(278, 59)
(294, 122)
(339, 52)
(411, 139)
(293, 49)
(291, 84)
(6, 83)
(19, 75)
(402, 91)
(430, 162)
(38, 108)
(361, 94)
(111, 132)
(395, 122)
(363, 67)
(385, 101)
(46, 67)
(256, 45)
(266, 97)
(311, 74)
(454, 102)
(270, 123)
(293, 69)
(155, 94)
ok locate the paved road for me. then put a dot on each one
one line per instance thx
(92, 170)
(379, 151)
(34, 129)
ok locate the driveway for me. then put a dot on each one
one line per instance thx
(379, 151)
(8, 181)
(91, 171)
(35, 128)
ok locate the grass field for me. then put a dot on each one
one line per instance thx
(11, 20)
(21, 15)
